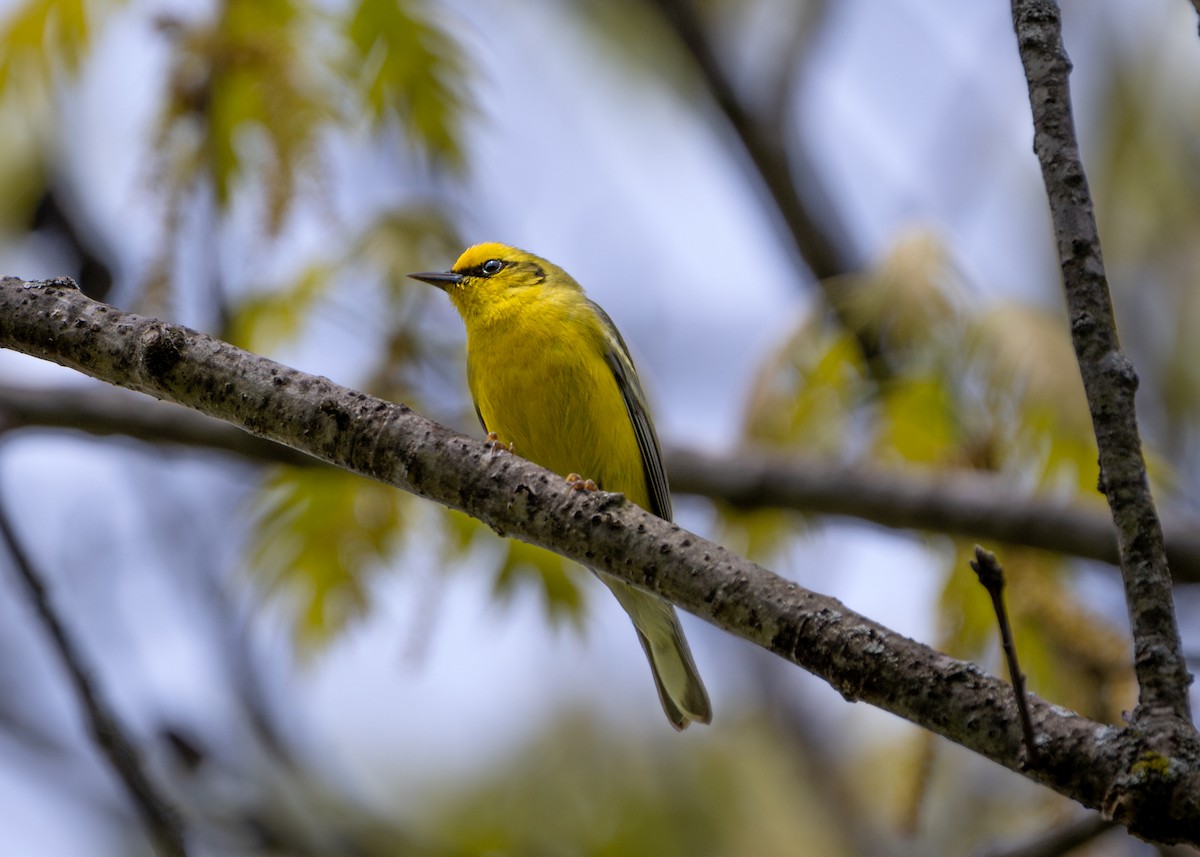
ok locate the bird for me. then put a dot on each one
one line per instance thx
(552, 380)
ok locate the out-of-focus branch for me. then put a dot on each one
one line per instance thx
(969, 504)
(1100, 766)
(812, 220)
(1109, 379)
(156, 812)
(106, 411)
(1059, 840)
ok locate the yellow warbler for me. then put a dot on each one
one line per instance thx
(551, 376)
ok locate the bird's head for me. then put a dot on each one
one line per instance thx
(488, 276)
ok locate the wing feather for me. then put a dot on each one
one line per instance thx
(618, 359)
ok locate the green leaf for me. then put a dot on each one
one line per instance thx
(1041, 426)
(550, 573)
(41, 37)
(411, 68)
(321, 534)
(263, 321)
(918, 422)
(808, 391)
(523, 564)
(246, 93)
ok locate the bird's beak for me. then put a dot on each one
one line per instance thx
(442, 279)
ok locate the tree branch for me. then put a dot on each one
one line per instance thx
(156, 812)
(812, 221)
(1100, 766)
(1058, 840)
(1108, 376)
(107, 412)
(811, 218)
(971, 504)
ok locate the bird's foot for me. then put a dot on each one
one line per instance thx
(578, 483)
(494, 444)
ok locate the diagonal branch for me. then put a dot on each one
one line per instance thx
(1108, 376)
(157, 814)
(1085, 760)
(1059, 840)
(970, 504)
(802, 201)
(813, 222)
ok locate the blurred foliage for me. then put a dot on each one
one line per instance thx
(258, 90)
(249, 72)
(579, 789)
(43, 41)
(412, 70)
(254, 90)
(576, 788)
(319, 534)
(971, 388)
(1145, 174)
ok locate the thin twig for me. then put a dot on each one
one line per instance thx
(991, 575)
(1108, 376)
(158, 815)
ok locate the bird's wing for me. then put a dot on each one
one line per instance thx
(617, 356)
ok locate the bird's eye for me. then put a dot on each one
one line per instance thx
(491, 266)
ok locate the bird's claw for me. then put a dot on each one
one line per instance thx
(578, 483)
(494, 444)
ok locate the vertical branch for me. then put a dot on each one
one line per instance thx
(991, 575)
(157, 814)
(1108, 376)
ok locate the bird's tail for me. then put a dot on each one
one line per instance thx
(680, 690)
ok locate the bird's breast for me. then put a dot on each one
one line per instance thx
(543, 385)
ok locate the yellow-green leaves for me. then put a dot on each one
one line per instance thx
(39, 38)
(268, 319)
(1030, 390)
(321, 535)
(259, 87)
(249, 84)
(964, 387)
(736, 791)
(548, 571)
(410, 69)
(991, 388)
(519, 564)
